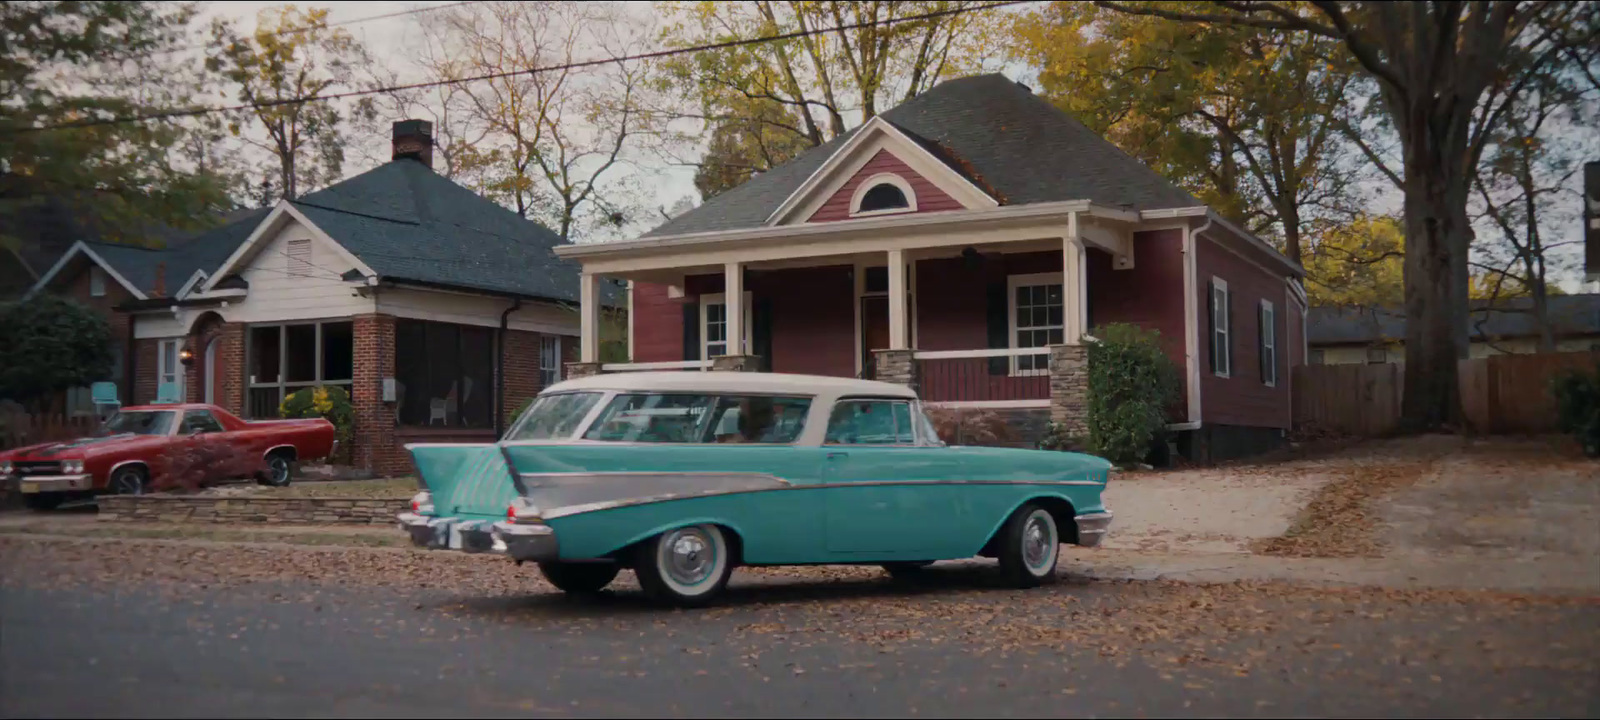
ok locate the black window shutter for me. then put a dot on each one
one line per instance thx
(1211, 324)
(1261, 341)
(691, 329)
(1227, 348)
(761, 333)
(998, 323)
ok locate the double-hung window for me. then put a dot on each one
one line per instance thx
(714, 326)
(549, 360)
(1038, 318)
(1268, 318)
(168, 368)
(1221, 329)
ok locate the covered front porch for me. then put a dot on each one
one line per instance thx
(988, 317)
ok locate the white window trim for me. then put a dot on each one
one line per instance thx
(555, 341)
(722, 299)
(883, 179)
(1269, 327)
(1012, 283)
(176, 371)
(1221, 329)
(97, 281)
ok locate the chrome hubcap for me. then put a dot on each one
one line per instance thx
(1036, 541)
(280, 470)
(129, 485)
(690, 557)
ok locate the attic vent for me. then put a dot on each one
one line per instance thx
(300, 258)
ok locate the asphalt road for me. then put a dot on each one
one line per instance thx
(133, 644)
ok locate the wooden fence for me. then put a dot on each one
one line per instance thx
(1500, 394)
(17, 430)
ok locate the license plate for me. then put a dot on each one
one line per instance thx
(30, 488)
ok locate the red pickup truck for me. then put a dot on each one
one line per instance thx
(138, 445)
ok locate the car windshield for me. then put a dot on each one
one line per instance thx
(694, 418)
(147, 422)
(554, 416)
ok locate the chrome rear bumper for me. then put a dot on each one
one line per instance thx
(519, 541)
(1092, 527)
(55, 483)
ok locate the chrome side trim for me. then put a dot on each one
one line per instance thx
(620, 474)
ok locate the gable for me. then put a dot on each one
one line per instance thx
(885, 167)
(868, 145)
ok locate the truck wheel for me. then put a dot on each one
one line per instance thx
(128, 480)
(1029, 547)
(44, 501)
(579, 578)
(687, 567)
(280, 470)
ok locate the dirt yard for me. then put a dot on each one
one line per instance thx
(1434, 510)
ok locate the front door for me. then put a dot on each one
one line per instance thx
(874, 330)
(213, 373)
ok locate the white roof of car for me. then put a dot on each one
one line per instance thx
(733, 382)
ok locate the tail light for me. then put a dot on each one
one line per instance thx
(422, 503)
(522, 510)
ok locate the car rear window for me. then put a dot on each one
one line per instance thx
(554, 417)
(699, 418)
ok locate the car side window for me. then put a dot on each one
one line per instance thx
(200, 421)
(871, 422)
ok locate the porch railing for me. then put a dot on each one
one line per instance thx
(1001, 378)
(668, 365)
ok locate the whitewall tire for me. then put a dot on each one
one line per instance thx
(687, 566)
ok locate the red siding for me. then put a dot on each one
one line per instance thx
(929, 197)
(813, 319)
(1241, 399)
(657, 324)
(1150, 295)
(952, 314)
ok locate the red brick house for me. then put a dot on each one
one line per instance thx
(966, 242)
(440, 311)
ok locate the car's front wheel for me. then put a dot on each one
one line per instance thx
(688, 566)
(1030, 545)
(579, 578)
(128, 480)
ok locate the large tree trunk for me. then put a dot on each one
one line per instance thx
(1437, 237)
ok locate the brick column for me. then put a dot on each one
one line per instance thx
(895, 366)
(736, 363)
(376, 448)
(582, 369)
(1069, 388)
(230, 356)
(522, 380)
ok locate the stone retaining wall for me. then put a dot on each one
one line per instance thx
(178, 508)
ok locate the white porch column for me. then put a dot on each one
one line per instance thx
(1074, 284)
(733, 287)
(898, 339)
(589, 318)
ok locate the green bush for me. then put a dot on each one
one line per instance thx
(1577, 395)
(328, 402)
(49, 344)
(1132, 382)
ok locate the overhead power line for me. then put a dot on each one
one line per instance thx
(194, 112)
(298, 30)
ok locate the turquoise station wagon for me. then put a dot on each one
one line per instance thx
(682, 476)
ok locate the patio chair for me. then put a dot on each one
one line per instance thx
(104, 397)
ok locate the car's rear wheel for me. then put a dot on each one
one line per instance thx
(688, 566)
(580, 578)
(44, 501)
(280, 469)
(128, 480)
(1030, 546)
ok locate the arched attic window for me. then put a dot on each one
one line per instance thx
(883, 194)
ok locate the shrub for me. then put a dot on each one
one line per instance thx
(327, 402)
(1577, 395)
(970, 427)
(1057, 438)
(49, 344)
(1132, 382)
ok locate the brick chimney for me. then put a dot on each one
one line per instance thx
(414, 139)
(160, 289)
